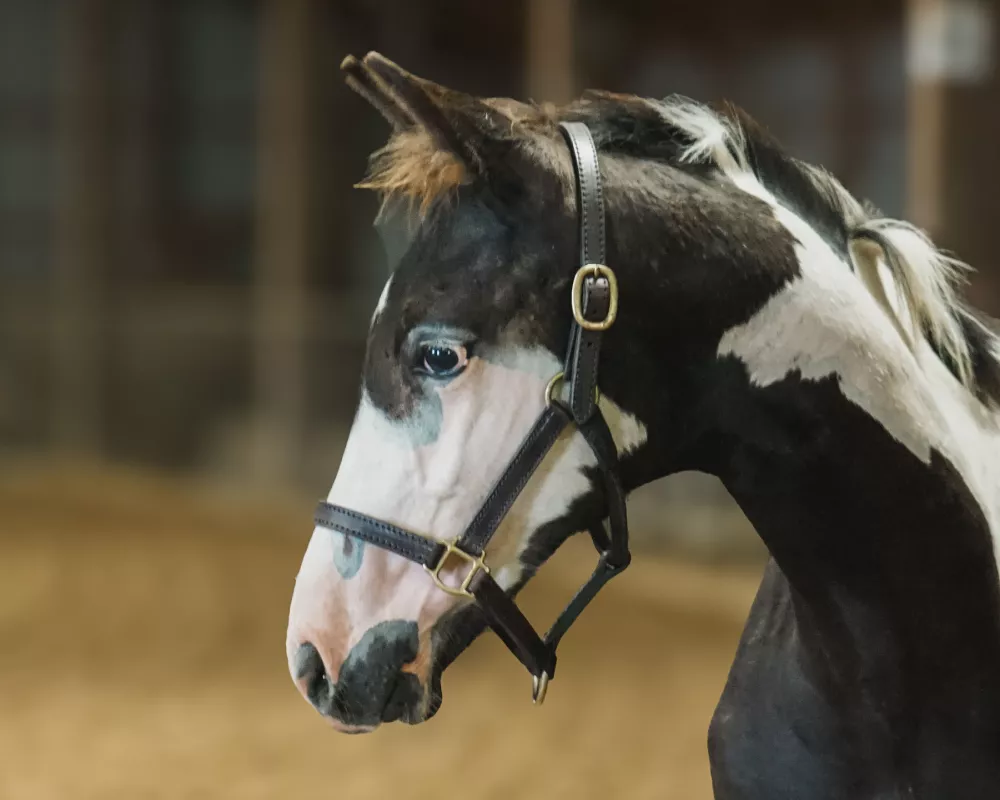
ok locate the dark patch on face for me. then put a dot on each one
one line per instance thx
(395, 226)
(466, 268)
(372, 687)
(348, 553)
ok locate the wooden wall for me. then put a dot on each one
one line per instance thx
(197, 269)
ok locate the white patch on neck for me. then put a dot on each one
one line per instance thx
(826, 322)
(820, 325)
(627, 430)
(913, 281)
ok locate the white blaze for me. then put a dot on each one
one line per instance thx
(429, 474)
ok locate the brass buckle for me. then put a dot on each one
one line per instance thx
(576, 298)
(539, 686)
(475, 562)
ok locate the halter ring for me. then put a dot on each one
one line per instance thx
(554, 381)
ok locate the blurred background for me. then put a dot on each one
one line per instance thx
(186, 279)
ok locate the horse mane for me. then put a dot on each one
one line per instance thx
(915, 283)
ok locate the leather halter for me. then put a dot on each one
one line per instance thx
(594, 302)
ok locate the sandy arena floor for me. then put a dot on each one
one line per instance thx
(141, 656)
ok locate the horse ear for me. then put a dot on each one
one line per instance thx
(457, 122)
(367, 84)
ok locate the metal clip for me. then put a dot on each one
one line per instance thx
(539, 686)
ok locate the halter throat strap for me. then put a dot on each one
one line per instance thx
(594, 302)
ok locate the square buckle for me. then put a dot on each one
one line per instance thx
(475, 565)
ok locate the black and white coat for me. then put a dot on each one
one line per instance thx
(773, 332)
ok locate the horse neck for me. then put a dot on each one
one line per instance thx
(871, 476)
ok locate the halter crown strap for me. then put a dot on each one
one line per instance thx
(589, 195)
(594, 303)
(595, 291)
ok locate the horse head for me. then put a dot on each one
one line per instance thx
(708, 225)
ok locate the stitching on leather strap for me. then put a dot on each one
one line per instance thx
(379, 533)
(495, 519)
(549, 416)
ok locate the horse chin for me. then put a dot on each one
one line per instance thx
(411, 715)
(435, 697)
(422, 711)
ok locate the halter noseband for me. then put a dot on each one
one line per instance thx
(594, 302)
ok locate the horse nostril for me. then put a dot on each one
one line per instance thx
(373, 687)
(311, 673)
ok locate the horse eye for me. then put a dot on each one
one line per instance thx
(443, 360)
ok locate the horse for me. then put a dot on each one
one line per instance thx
(773, 331)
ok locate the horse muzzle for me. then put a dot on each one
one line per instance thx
(375, 682)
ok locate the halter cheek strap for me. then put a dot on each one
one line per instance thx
(594, 301)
